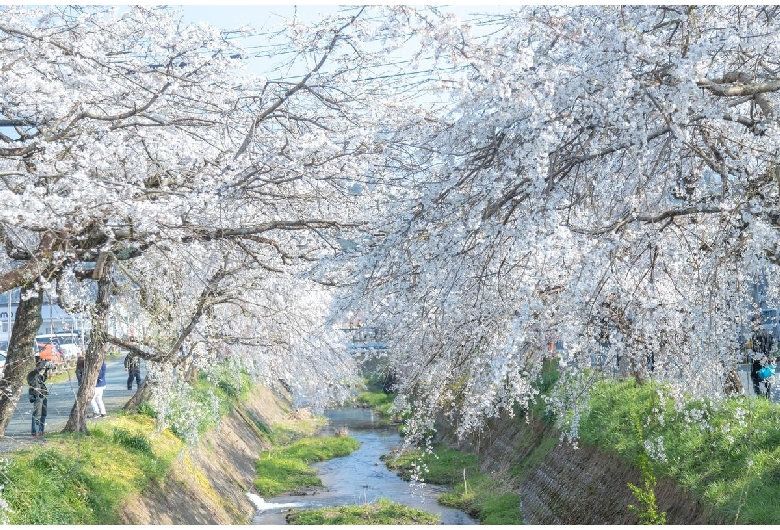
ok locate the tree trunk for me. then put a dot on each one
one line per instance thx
(95, 354)
(733, 384)
(192, 374)
(20, 357)
(637, 369)
(143, 393)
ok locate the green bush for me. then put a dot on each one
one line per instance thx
(133, 441)
(232, 380)
(146, 409)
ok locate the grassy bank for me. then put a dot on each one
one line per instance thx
(287, 468)
(482, 496)
(379, 401)
(727, 455)
(382, 512)
(76, 479)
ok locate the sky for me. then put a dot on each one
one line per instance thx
(260, 17)
(264, 17)
(269, 18)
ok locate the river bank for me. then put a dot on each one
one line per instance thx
(361, 477)
(209, 483)
(127, 471)
(702, 473)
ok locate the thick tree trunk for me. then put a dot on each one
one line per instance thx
(20, 358)
(95, 354)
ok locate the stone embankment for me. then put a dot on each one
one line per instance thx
(208, 484)
(557, 483)
(560, 484)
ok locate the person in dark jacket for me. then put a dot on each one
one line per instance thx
(762, 345)
(38, 393)
(80, 369)
(133, 369)
(754, 368)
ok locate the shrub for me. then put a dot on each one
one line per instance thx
(133, 441)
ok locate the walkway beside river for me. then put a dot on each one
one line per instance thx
(61, 398)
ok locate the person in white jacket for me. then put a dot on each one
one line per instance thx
(98, 408)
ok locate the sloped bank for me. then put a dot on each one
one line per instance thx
(560, 484)
(208, 483)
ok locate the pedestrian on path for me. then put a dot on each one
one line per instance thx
(133, 369)
(38, 393)
(98, 408)
(754, 368)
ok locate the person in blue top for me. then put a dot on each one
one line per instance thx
(98, 408)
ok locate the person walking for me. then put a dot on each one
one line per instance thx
(766, 374)
(38, 393)
(98, 408)
(754, 368)
(133, 369)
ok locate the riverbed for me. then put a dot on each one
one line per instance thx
(360, 477)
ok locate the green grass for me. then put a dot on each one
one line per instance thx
(491, 502)
(383, 512)
(75, 479)
(731, 460)
(444, 466)
(287, 431)
(487, 499)
(379, 401)
(480, 495)
(287, 469)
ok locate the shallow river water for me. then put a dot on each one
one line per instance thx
(360, 477)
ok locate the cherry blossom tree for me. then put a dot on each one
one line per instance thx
(606, 178)
(139, 141)
(105, 111)
(599, 178)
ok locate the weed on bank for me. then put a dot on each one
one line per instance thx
(379, 401)
(480, 495)
(727, 454)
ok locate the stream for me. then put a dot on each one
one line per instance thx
(360, 477)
